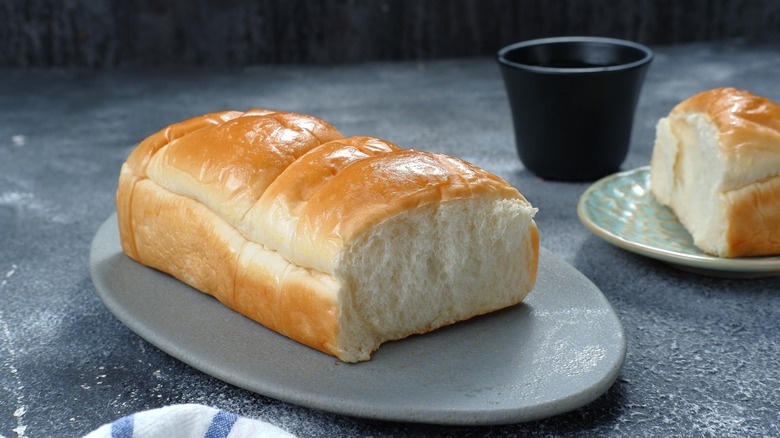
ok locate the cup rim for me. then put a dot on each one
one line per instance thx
(646, 58)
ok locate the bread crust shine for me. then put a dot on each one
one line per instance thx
(276, 215)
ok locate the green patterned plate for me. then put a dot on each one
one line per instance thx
(620, 209)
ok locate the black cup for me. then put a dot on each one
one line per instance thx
(573, 101)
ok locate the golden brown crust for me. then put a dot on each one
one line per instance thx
(208, 254)
(134, 169)
(275, 216)
(140, 156)
(228, 166)
(201, 252)
(124, 200)
(377, 187)
(754, 220)
(291, 301)
(205, 251)
(306, 176)
(747, 124)
(532, 263)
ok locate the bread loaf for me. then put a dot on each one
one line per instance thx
(338, 243)
(716, 164)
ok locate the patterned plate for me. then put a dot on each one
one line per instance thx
(620, 209)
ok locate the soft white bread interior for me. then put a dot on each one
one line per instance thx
(338, 243)
(716, 164)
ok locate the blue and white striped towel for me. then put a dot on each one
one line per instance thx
(190, 420)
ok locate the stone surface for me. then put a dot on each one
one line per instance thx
(702, 352)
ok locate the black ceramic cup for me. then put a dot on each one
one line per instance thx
(573, 101)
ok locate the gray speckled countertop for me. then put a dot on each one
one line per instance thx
(702, 352)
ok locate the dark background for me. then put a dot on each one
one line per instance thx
(702, 352)
(148, 33)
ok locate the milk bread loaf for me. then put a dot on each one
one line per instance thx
(716, 164)
(338, 243)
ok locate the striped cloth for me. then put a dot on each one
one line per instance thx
(190, 420)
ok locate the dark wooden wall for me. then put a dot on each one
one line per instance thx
(138, 33)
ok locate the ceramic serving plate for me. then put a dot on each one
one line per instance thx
(557, 351)
(620, 209)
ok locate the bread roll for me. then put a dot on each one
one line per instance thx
(716, 163)
(338, 243)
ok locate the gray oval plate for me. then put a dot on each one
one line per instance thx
(557, 351)
(620, 209)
